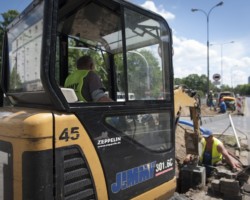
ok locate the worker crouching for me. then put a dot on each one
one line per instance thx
(212, 152)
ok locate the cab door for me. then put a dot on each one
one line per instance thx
(132, 139)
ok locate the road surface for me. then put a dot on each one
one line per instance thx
(223, 124)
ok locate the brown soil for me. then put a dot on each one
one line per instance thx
(181, 150)
(180, 134)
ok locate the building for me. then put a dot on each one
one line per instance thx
(25, 54)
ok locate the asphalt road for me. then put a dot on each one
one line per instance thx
(237, 125)
(223, 124)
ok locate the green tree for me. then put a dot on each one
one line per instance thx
(75, 53)
(154, 72)
(242, 89)
(178, 81)
(140, 65)
(225, 88)
(15, 81)
(196, 82)
(7, 19)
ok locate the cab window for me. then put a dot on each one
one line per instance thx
(25, 46)
(138, 73)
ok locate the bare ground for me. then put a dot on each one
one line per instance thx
(180, 131)
(181, 154)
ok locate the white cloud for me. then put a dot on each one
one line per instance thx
(150, 5)
(190, 56)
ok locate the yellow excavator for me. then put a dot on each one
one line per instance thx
(53, 146)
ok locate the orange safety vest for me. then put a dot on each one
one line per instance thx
(216, 156)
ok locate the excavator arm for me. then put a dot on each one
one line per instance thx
(188, 99)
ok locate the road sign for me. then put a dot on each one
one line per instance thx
(216, 77)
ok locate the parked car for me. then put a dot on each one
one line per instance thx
(229, 99)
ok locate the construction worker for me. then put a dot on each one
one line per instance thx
(86, 82)
(210, 99)
(213, 151)
(223, 106)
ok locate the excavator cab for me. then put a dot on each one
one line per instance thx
(54, 146)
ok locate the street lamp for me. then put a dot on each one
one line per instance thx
(145, 60)
(221, 56)
(207, 16)
(231, 73)
(231, 77)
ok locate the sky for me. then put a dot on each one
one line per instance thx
(229, 35)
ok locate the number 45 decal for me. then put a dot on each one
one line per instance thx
(69, 134)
